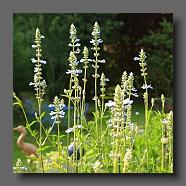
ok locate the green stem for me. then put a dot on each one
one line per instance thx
(69, 100)
(68, 135)
(162, 151)
(58, 138)
(58, 144)
(146, 120)
(170, 152)
(116, 165)
(84, 91)
(40, 134)
(162, 144)
(102, 112)
(74, 149)
(96, 99)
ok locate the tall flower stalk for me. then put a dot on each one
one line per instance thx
(39, 84)
(96, 42)
(142, 57)
(73, 71)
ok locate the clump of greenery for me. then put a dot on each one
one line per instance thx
(111, 142)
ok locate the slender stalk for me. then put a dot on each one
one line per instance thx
(40, 134)
(96, 41)
(84, 92)
(73, 38)
(68, 135)
(39, 99)
(58, 139)
(58, 144)
(96, 101)
(74, 142)
(162, 150)
(146, 123)
(170, 136)
(96, 104)
(143, 64)
(170, 152)
(163, 135)
(78, 120)
(116, 165)
(102, 113)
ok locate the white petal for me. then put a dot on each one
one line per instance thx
(127, 101)
(42, 61)
(51, 105)
(136, 58)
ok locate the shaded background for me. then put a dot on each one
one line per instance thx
(123, 36)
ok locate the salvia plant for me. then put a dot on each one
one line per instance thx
(109, 143)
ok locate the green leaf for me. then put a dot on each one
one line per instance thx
(33, 122)
(34, 133)
(42, 115)
(90, 153)
(16, 103)
(43, 148)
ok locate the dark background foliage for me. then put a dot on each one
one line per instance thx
(123, 36)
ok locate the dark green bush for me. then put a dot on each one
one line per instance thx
(159, 45)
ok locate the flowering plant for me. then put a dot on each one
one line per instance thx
(111, 142)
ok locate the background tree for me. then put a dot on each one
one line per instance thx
(159, 46)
